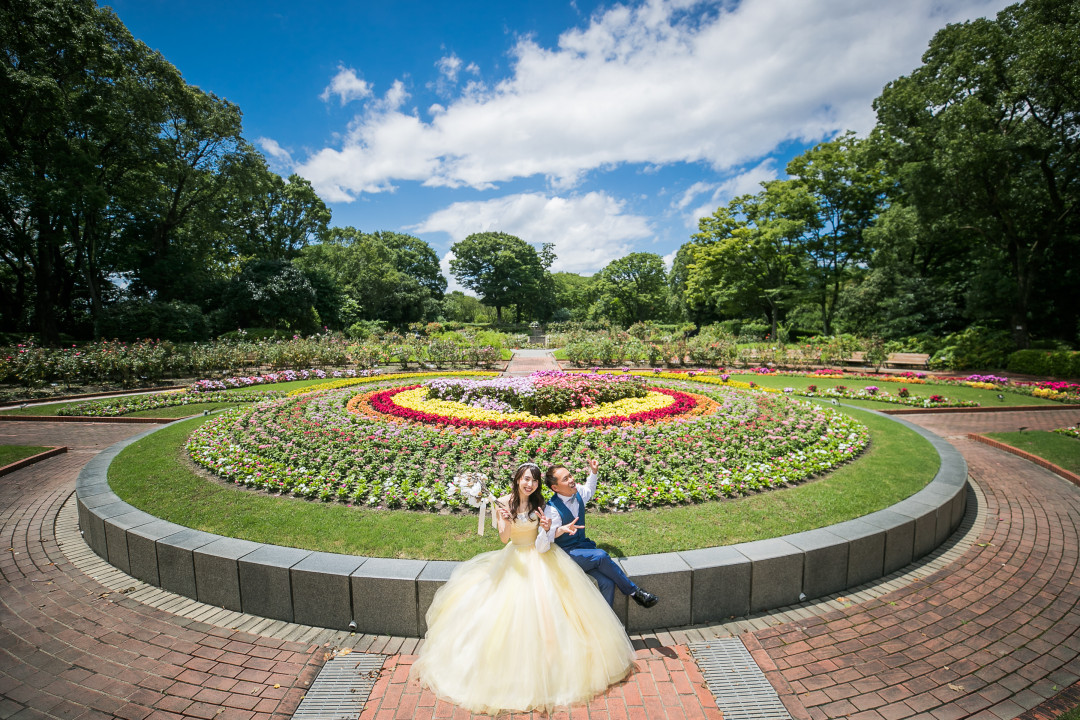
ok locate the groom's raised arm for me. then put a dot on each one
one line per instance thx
(589, 488)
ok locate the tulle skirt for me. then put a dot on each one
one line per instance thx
(519, 630)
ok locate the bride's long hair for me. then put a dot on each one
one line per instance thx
(536, 498)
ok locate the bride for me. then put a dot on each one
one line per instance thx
(522, 628)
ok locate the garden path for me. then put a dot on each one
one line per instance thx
(530, 361)
(992, 634)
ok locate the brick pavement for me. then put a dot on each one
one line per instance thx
(990, 636)
(70, 649)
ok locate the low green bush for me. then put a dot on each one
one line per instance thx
(1052, 363)
(976, 347)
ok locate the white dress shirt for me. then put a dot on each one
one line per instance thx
(586, 492)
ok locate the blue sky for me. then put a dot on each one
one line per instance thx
(602, 128)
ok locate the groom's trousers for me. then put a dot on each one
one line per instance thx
(608, 575)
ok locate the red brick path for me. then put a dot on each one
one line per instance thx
(991, 636)
(666, 684)
(68, 652)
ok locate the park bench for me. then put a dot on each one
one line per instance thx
(912, 360)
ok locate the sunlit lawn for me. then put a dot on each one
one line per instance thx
(15, 453)
(155, 475)
(1062, 450)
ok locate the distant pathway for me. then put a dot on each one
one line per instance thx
(529, 361)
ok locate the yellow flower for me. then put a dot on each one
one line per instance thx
(417, 400)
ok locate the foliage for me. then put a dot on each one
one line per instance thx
(114, 407)
(985, 141)
(1052, 363)
(502, 269)
(846, 185)
(137, 319)
(974, 348)
(751, 253)
(632, 289)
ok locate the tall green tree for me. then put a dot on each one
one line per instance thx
(271, 217)
(846, 185)
(502, 269)
(79, 126)
(381, 276)
(574, 295)
(750, 255)
(633, 289)
(984, 140)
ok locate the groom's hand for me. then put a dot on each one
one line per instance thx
(594, 466)
(570, 528)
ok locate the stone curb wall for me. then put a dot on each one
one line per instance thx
(391, 597)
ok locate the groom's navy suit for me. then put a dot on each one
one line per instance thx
(593, 560)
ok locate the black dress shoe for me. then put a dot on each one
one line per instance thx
(644, 598)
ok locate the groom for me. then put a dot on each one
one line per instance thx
(567, 512)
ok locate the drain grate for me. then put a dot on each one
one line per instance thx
(341, 688)
(737, 683)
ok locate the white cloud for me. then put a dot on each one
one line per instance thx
(347, 86)
(661, 82)
(745, 183)
(588, 231)
(274, 150)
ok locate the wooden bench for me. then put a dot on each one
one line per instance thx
(915, 360)
(912, 360)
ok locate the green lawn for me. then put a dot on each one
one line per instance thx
(15, 453)
(986, 398)
(1061, 450)
(155, 475)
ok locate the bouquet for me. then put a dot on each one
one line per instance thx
(475, 490)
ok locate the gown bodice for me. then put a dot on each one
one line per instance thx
(523, 531)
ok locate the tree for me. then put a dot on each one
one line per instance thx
(381, 276)
(274, 294)
(464, 308)
(846, 186)
(79, 123)
(751, 255)
(984, 140)
(574, 295)
(633, 289)
(502, 269)
(270, 217)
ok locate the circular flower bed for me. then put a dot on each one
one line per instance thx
(356, 446)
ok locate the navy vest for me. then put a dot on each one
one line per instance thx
(578, 539)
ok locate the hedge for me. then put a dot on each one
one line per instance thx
(1053, 363)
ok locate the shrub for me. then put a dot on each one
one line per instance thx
(366, 329)
(975, 347)
(1054, 363)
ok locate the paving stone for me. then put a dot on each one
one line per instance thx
(776, 573)
(265, 581)
(825, 561)
(668, 576)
